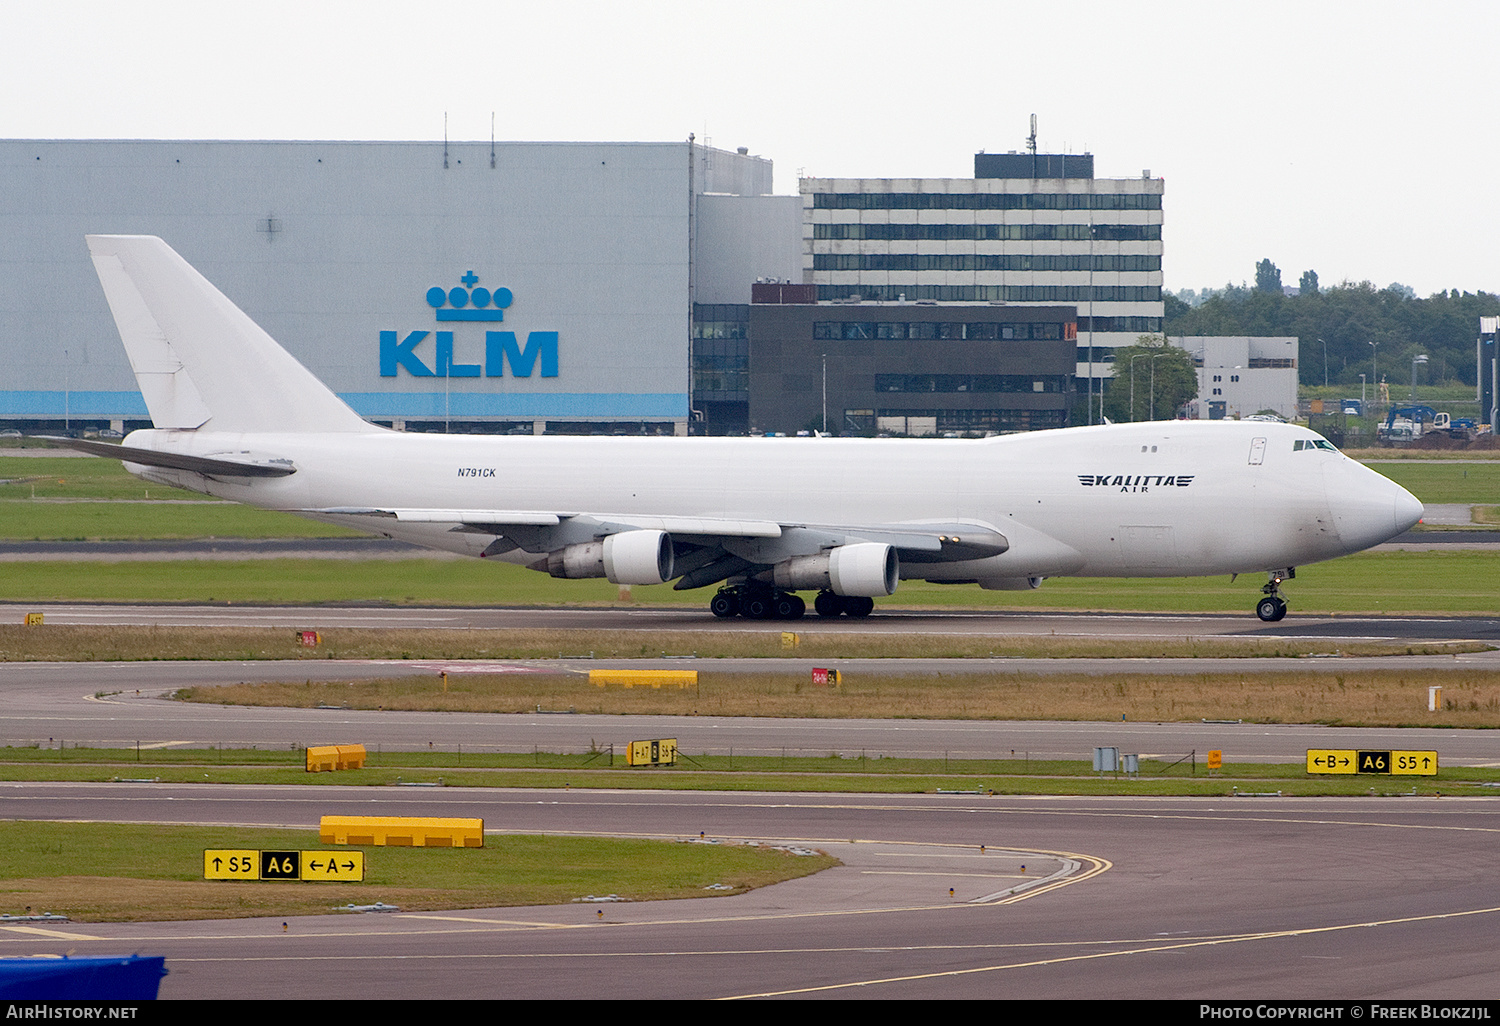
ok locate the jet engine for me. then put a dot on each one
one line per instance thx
(863, 568)
(630, 557)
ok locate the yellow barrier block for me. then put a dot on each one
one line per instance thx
(33, 619)
(644, 678)
(326, 758)
(402, 831)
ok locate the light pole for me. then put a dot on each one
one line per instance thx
(1134, 358)
(1374, 377)
(1325, 363)
(825, 393)
(1361, 394)
(1158, 356)
(1091, 327)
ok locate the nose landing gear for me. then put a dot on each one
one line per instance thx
(1273, 607)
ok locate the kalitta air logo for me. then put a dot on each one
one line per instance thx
(1135, 482)
(469, 304)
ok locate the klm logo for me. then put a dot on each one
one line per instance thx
(469, 304)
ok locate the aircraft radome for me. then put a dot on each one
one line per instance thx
(235, 416)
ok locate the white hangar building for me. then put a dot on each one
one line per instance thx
(510, 286)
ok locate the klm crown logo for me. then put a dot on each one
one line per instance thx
(501, 348)
(487, 305)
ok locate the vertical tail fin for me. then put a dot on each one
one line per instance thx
(200, 361)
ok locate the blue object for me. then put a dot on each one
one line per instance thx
(119, 978)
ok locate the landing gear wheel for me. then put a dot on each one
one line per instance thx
(858, 605)
(724, 604)
(789, 606)
(757, 607)
(1271, 608)
(828, 604)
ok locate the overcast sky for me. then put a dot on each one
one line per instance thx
(1356, 139)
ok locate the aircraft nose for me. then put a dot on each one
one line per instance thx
(1409, 509)
(1366, 508)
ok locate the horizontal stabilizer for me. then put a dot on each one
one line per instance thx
(215, 465)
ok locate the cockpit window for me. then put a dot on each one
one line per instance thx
(1313, 443)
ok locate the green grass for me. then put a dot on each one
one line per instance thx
(76, 477)
(98, 872)
(47, 520)
(1446, 482)
(1466, 581)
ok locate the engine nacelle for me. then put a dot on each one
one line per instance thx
(585, 559)
(863, 568)
(638, 557)
(630, 557)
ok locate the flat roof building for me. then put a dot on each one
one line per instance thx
(1240, 376)
(1027, 229)
(906, 368)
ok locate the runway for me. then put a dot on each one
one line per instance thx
(1007, 624)
(1133, 898)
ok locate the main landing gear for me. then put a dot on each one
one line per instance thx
(1273, 606)
(760, 603)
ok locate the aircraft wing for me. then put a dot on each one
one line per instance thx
(715, 547)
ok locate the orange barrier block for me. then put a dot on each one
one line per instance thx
(326, 758)
(402, 831)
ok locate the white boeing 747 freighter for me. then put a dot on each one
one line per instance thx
(237, 417)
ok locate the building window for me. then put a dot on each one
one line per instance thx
(918, 331)
(989, 232)
(985, 201)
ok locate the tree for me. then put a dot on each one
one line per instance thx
(1172, 306)
(1267, 276)
(1307, 285)
(1347, 317)
(1157, 363)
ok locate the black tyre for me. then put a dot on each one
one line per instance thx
(757, 607)
(859, 605)
(724, 604)
(1270, 609)
(789, 606)
(828, 604)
